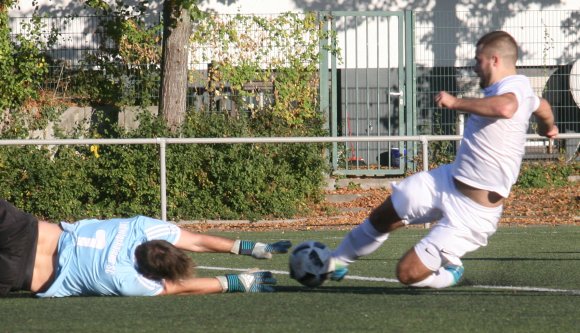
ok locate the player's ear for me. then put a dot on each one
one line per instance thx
(496, 60)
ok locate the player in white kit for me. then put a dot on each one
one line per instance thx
(464, 197)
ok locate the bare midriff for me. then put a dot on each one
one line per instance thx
(46, 260)
(483, 197)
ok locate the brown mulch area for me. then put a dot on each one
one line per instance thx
(559, 206)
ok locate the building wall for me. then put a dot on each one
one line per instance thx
(548, 32)
(445, 30)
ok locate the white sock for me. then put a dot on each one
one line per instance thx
(360, 241)
(442, 278)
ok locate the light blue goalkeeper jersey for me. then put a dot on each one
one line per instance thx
(96, 257)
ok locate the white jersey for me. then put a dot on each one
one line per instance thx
(492, 149)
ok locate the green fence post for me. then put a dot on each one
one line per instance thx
(410, 86)
(324, 105)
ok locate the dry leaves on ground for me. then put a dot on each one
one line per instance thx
(559, 206)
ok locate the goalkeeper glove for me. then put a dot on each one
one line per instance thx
(260, 250)
(249, 282)
(337, 269)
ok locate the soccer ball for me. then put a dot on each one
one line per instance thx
(308, 262)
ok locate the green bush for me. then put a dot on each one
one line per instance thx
(241, 180)
(22, 63)
(49, 186)
(546, 174)
(220, 181)
(124, 70)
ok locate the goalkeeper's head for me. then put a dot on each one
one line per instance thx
(161, 260)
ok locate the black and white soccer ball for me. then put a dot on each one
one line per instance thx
(308, 263)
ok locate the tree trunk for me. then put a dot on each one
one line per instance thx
(173, 90)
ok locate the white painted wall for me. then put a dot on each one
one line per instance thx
(279, 6)
(64, 7)
(536, 24)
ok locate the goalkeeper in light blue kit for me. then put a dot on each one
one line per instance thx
(466, 197)
(138, 256)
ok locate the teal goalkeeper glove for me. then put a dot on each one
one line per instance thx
(260, 250)
(249, 282)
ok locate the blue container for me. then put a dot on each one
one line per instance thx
(396, 157)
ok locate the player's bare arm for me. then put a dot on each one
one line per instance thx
(501, 106)
(545, 118)
(195, 242)
(192, 286)
(252, 281)
(206, 243)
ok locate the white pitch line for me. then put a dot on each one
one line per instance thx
(550, 290)
(380, 279)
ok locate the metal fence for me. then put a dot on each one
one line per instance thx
(424, 141)
(443, 52)
(78, 38)
(549, 49)
(368, 90)
(81, 46)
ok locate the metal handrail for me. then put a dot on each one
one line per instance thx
(163, 142)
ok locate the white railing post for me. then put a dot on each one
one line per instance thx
(425, 145)
(163, 178)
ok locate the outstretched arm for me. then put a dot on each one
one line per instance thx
(192, 286)
(545, 118)
(248, 282)
(195, 242)
(206, 243)
(501, 106)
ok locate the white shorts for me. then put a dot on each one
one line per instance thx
(462, 225)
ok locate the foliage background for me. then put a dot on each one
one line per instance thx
(205, 181)
(246, 181)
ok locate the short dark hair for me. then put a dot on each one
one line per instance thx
(502, 42)
(159, 260)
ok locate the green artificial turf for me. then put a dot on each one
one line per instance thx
(526, 280)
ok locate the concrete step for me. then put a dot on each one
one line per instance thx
(332, 184)
(342, 198)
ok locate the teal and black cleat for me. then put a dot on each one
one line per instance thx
(457, 272)
(337, 269)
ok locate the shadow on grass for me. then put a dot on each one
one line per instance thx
(348, 290)
(520, 259)
(465, 288)
(18, 295)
